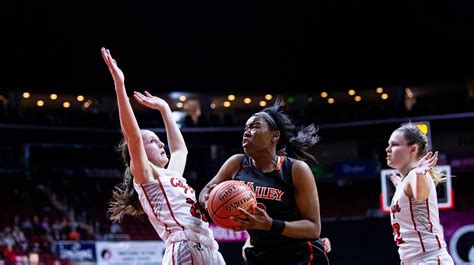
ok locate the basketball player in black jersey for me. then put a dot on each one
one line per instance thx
(286, 225)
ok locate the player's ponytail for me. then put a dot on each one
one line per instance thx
(297, 142)
(124, 197)
(413, 135)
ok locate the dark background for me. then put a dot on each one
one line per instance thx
(210, 46)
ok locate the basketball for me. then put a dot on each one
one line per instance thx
(226, 199)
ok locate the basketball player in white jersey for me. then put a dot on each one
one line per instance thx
(414, 208)
(150, 188)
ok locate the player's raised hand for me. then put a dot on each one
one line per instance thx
(150, 101)
(426, 163)
(116, 72)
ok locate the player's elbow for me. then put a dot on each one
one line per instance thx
(315, 230)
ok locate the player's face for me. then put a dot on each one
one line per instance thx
(154, 148)
(398, 151)
(257, 135)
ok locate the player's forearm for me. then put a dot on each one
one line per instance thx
(128, 122)
(175, 138)
(421, 187)
(304, 229)
(202, 196)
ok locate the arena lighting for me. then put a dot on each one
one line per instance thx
(179, 104)
(424, 127)
(268, 96)
(231, 97)
(357, 98)
(182, 98)
(351, 92)
(226, 104)
(262, 103)
(80, 98)
(379, 90)
(40, 103)
(247, 100)
(53, 96)
(324, 94)
(26, 94)
(384, 96)
(331, 100)
(66, 104)
(213, 105)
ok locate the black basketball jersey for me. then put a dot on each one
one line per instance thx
(275, 191)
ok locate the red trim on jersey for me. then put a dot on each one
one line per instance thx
(172, 253)
(428, 211)
(414, 225)
(280, 163)
(439, 242)
(439, 261)
(310, 252)
(431, 224)
(168, 203)
(149, 202)
(151, 206)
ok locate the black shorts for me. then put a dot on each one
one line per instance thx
(310, 252)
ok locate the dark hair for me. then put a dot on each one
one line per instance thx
(124, 197)
(413, 135)
(293, 141)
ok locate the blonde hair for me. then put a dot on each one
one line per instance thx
(413, 135)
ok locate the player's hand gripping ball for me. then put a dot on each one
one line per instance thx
(226, 199)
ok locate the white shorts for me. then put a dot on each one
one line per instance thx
(188, 247)
(188, 252)
(441, 258)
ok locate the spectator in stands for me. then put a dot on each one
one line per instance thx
(37, 227)
(7, 236)
(45, 224)
(20, 238)
(73, 234)
(115, 228)
(286, 228)
(9, 254)
(414, 210)
(26, 225)
(159, 191)
(56, 229)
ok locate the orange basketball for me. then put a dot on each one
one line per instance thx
(226, 199)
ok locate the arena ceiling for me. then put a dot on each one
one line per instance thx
(234, 45)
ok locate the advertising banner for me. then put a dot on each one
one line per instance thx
(76, 250)
(130, 253)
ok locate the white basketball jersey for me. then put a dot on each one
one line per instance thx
(171, 205)
(415, 226)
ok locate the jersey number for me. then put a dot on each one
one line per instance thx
(396, 234)
(196, 209)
